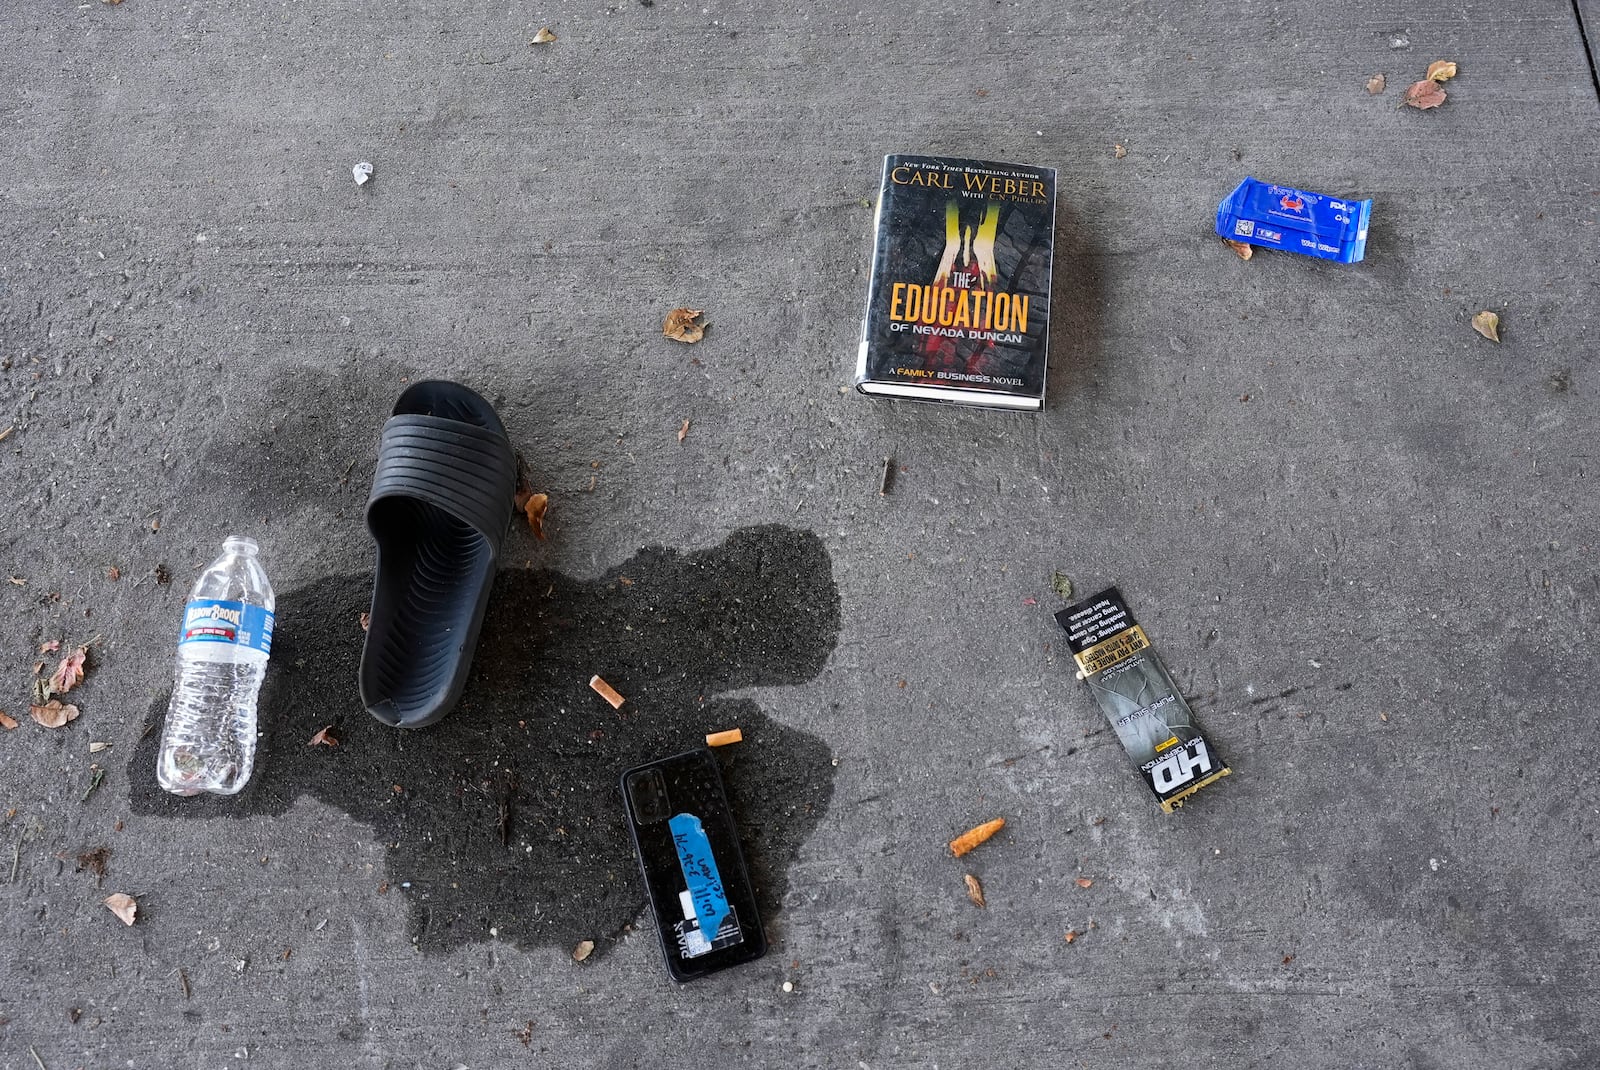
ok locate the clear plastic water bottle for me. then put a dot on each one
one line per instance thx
(209, 741)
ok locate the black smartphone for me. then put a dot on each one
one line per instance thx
(693, 869)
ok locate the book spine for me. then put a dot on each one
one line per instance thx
(875, 271)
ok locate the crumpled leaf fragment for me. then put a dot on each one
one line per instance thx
(975, 891)
(50, 647)
(123, 905)
(1062, 584)
(323, 738)
(681, 326)
(584, 949)
(1441, 70)
(1376, 84)
(7, 721)
(53, 714)
(69, 673)
(1425, 94)
(1244, 249)
(535, 508)
(543, 37)
(1487, 324)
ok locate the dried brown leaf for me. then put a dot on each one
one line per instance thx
(366, 621)
(1425, 94)
(53, 714)
(7, 721)
(584, 949)
(1376, 84)
(1083, 882)
(1487, 324)
(123, 905)
(975, 891)
(1119, 150)
(51, 647)
(534, 507)
(69, 673)
(1244, 249)
(1441, 70)
(1072, 934)
(681, 326)
(683, 432)
(113, 573)
(543, 37)
(323, 738)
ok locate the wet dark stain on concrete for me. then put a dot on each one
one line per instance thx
(507, 814)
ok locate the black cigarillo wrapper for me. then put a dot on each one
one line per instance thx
(1139, 699)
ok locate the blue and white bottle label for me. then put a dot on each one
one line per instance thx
(211, 620)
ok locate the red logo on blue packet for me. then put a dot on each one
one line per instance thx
(1292, 203)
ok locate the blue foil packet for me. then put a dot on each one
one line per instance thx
(1278, 217)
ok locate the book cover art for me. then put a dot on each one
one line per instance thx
(958, 308)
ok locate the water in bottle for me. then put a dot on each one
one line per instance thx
(209, 741)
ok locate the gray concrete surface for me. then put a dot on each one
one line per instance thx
(1376, 577)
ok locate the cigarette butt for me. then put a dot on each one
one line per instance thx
(974, 836)
(607, 692)
(722, 739)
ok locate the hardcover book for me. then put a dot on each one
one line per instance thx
(958, 308)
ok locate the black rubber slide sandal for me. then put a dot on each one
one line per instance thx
(440, 506)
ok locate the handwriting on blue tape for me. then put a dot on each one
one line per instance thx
(700, 871)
